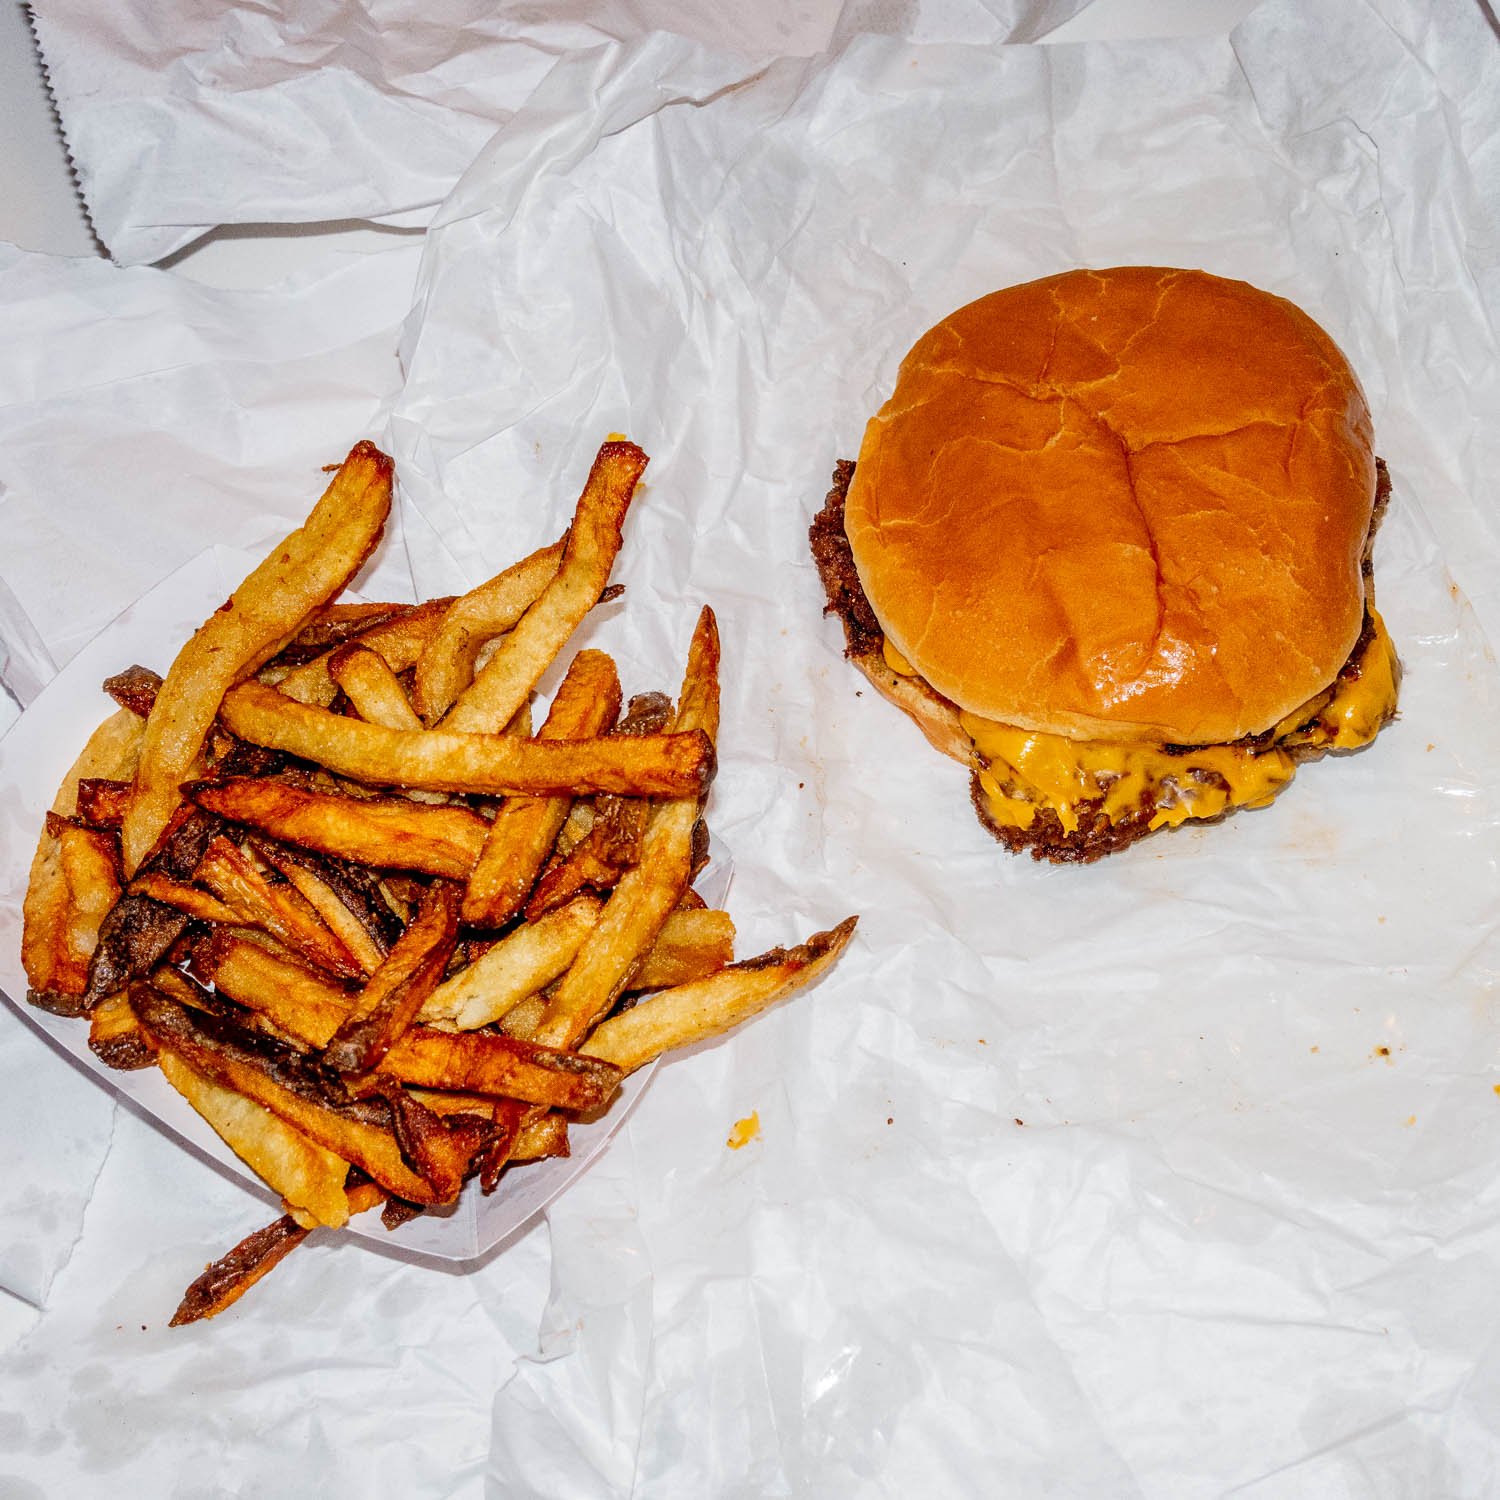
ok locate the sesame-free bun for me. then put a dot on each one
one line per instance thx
(1128, 504)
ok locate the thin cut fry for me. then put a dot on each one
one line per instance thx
(592, 545)
(669, 765)
(518, 965)
(233, 877)
(307, 570)
(361, 939)
(187, 898)
(649, 891)
(371, 686)
(446, 666)
(694, 1012)
(525, 828)
(391, 834)
(389, 1002)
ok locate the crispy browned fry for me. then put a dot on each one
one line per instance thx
(586, 704)
(390, 834)
(279, 909)
(593, 542)
(479, 1063)
(303, 573)
(356, 930)
(671, 765)
(363, 1132)
(691, 945)
(333, 625)
(135, 688)
(186, 898)
(519, 964)
(647, 893)
(298, 1002)
(111, 752)
(371, 686)
(391, 998)
(78, 886)
(115, 1036)
(708, 1007)
(539, 1136)
(399, 641)
(446, 666)
(227, 1279)
(223, 1283)
(308, 1176)
(102, 801)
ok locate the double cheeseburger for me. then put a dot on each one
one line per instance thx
(1108, 543)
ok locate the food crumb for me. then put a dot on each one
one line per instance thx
(1411, 1119)
(1382, 1052)
(891, 1119)
(1019, 1120)
(744, 1131)
(1313, 1048)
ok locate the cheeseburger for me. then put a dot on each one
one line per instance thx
(1108, 543)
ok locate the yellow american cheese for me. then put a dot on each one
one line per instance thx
(1026, 771)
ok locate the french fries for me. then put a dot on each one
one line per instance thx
(305, 572)
(378, 933)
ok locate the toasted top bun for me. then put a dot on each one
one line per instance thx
(1127, 504)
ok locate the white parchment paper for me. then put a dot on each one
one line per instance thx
(180, 118)
(1169, 1177)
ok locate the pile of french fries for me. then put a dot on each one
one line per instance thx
(379, 930)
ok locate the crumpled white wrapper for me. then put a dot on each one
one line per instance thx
(180, 118)
(1076, 1182)
(1170, 1176)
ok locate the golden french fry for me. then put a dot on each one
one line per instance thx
(709, 1007)
(648, 892)
(519, 964)
(390, 834)
(309, 1176)
(394, 993)
(543, 1135)
(523, 833)
(691, 945)
(307, 570)
(371, 686)
(670, 765)
(446, 666)
(593, 542)
(299, 1003)
(47, 955)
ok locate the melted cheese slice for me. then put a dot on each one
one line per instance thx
(1024, 771)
